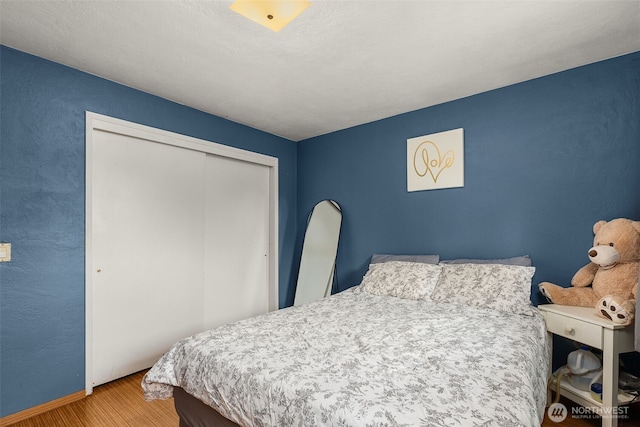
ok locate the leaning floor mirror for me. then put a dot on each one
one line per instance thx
(317, 265)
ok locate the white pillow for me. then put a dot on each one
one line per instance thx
(411, 280)
(505, 288)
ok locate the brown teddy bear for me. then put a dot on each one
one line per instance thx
(612, 273)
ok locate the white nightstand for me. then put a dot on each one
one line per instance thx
(583, 325)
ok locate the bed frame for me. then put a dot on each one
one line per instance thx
(194, 413)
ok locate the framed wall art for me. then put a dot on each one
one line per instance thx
(436, 161)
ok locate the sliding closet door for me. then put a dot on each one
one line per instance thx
(237, 240)
(182, 236)
(147, 250)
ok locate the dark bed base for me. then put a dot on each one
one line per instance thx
(194, 413)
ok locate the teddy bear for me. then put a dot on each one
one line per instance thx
(612, 273)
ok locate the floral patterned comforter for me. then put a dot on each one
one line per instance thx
(356, 359)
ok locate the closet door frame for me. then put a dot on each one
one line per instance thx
(99, 122)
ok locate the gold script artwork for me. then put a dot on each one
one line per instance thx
(427, 158)
(435, 161)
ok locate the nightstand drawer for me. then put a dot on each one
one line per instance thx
(577, 330)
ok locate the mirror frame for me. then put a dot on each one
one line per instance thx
(319, 252)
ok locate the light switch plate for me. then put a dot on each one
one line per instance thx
(5, 252)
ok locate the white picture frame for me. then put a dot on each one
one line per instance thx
(435, 161)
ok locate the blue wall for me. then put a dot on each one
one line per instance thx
(544, 160)
(42, 155)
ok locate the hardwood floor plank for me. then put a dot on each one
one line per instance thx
(119, 403)
(41, 409)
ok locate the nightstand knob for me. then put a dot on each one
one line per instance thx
(570, 330)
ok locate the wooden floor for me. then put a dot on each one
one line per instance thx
(120, 403)
(115, 404)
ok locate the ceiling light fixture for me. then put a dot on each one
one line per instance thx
(273, 14)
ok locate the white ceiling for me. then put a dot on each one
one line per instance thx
(340, 64)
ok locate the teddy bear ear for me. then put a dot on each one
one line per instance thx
(597, 226)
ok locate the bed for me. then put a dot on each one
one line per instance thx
(415, 344)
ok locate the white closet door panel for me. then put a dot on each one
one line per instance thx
(148, 217)
(237, 239)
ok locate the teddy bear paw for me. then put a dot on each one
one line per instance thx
(613, 311)
(545, 292)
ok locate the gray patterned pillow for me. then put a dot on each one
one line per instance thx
(506, 288)
(411, 280)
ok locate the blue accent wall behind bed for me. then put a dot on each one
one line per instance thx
(544, 160)
(42, 154)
